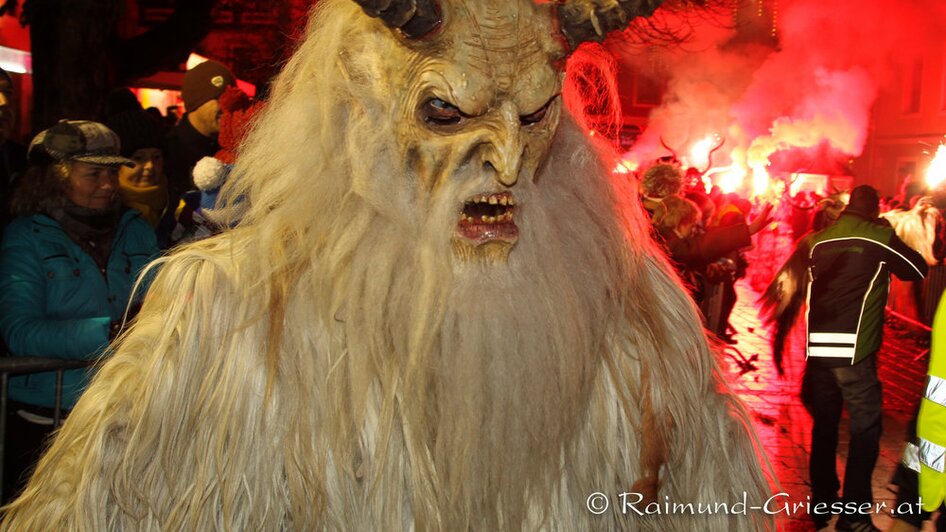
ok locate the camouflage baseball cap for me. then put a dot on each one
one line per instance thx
(78, 140)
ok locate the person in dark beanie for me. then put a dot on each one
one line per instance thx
(195, 136)
(143, 187)
(120, 100)
(849, 267)
(197, 215)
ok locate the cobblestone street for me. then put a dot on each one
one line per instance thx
(784, 426)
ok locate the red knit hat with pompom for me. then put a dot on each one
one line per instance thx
(237, 111)
(236, 114)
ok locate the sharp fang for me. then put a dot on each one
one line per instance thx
(504, 200)
(512, 201)
(493, 200)
(483, 218)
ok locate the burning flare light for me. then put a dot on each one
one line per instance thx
(731, 179)
(699, 152)
(760, 180)
(626, 166)
(936, 173)
(798, 180)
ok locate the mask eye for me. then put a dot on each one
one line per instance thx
(536, 117)
(437, 112)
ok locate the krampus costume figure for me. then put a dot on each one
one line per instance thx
(436, 313)
(918, 227)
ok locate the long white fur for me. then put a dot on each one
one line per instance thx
(329, 365)
(917, 228)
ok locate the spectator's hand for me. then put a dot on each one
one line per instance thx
(763, 219)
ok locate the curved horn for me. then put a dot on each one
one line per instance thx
(671, 150)
(709, 156)
(413, 18)
(593, 20)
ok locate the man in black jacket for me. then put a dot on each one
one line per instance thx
(850, 263)
(195, 136)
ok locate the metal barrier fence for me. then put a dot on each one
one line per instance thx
(918, 301)
(933, 288)
(10, 365)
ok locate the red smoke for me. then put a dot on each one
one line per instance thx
(815, 90)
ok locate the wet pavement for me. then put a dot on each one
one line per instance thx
(784, 426)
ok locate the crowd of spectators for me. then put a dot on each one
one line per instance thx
(847, 245)
(706, 232)
(87, 205)
(705, 235)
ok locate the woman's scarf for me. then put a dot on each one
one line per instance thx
(91, 229)
(149, 200)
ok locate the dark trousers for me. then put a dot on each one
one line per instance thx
(25, 443)
(825, 391)
(729, 303)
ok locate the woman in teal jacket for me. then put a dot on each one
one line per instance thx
(68, 265)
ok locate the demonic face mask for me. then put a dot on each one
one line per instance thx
(484, 108)
(481, 99)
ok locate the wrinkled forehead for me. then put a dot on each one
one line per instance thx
(498, 50)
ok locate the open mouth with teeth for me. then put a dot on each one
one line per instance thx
(488, 218)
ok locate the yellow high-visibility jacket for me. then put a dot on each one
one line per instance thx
(931, 425)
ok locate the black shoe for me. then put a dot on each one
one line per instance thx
(846, 525)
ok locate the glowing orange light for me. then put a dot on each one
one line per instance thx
(936, 173)
(194, 60)
(799, 180)
(760, 180)
(626, 166)
(699, 152)
(731, 179)
(157, 98)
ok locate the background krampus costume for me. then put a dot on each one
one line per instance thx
(436, 313)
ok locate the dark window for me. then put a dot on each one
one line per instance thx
(647, 91)
(913, 87)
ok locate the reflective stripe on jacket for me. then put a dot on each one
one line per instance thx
(931, 425)
(850, 263)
